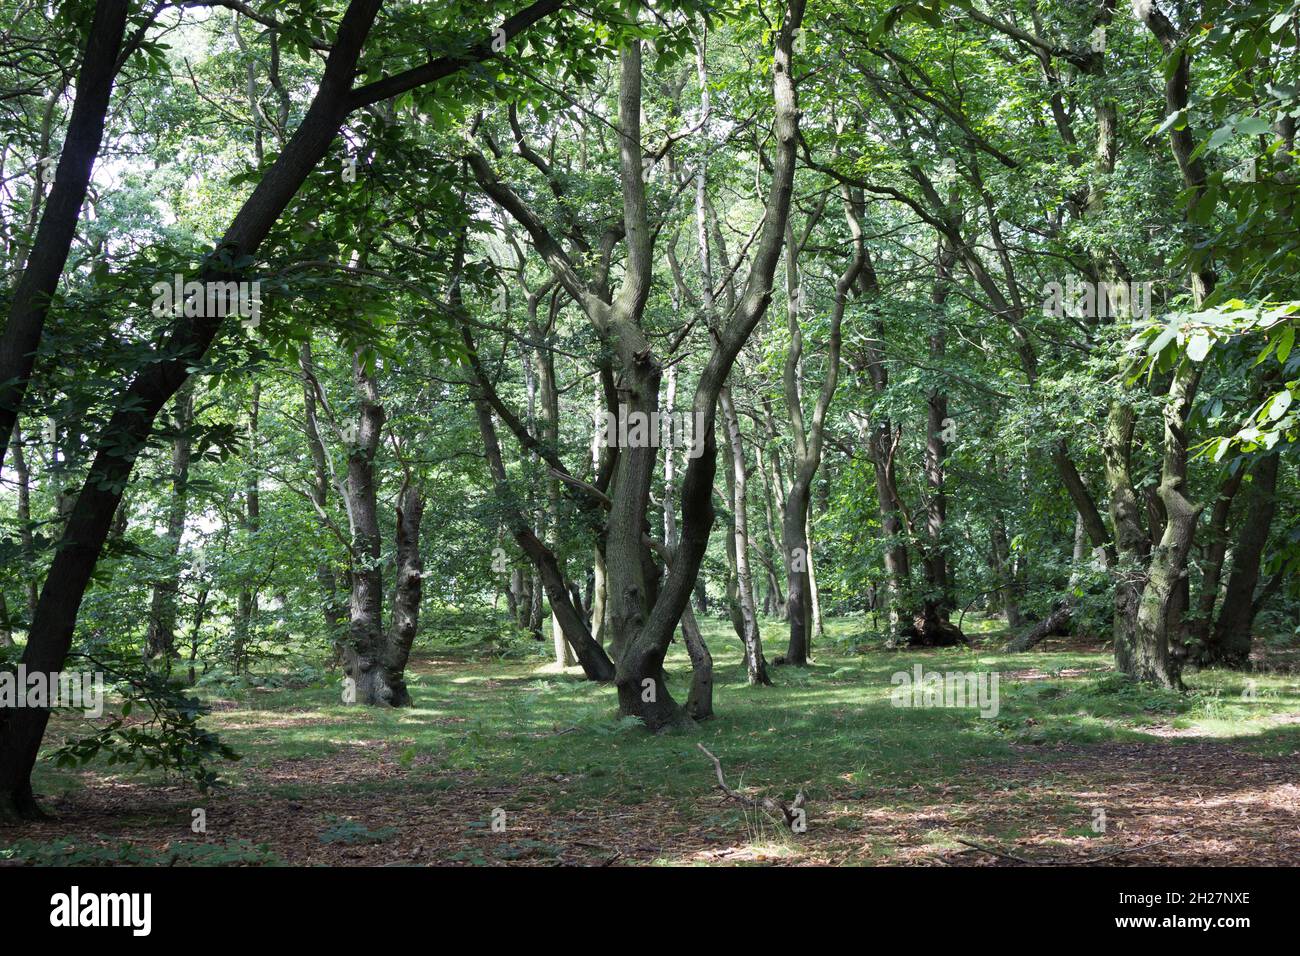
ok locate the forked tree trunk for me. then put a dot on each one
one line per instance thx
(1230, 643)
(1212, 560)
(1157, 646)
(406, 593)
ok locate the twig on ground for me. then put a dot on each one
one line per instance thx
(791, 813)
(1061, 861)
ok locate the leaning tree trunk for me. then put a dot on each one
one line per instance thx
(699, 701)
(595, 662)
(30, 304)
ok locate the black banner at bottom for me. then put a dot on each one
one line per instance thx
(144, 906)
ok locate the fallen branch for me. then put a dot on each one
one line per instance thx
(792, 814)
(1058, 861)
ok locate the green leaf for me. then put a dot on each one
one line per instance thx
(1278, 406)
(1284, 343)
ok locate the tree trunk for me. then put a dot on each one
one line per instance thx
(246, 612)
(755, 664)
(366, 646)
(1158, 649)
(1131, 542)
(406, 593)
(1000, 551)
(1229, 645)
(1216, 549)
(160, 639)
(333, 609)
(699, 701)
(31, 297)
(24, 514)
(798, 596)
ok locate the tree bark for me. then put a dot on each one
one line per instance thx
(333, 609)
(1230, 642)
(755, 663)
(31, 298)
(22, 478)
(364, 651)
(160, 639)
(406, 593)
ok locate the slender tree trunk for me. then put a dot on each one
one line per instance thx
(939, 601)
(1007, 586)
(333, 608)
(755, 664)
(246, 613)
(814, 592)
(779, 608)
(22, 478)
(161, 636)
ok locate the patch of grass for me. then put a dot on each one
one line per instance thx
(66, 852)
(352, 833)
(555, 742)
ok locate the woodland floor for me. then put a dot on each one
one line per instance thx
(1210, 777)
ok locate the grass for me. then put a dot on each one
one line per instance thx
(554, 742)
